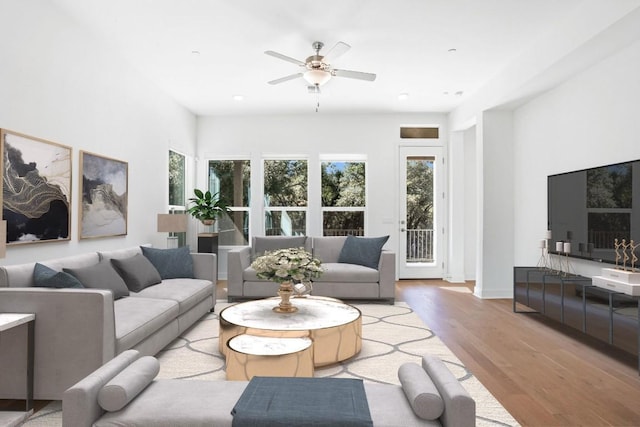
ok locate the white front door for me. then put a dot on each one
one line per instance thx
(421, 213)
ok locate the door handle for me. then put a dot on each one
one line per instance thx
(402, 230)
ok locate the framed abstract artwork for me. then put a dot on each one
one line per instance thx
(36, 196)
(103, 188)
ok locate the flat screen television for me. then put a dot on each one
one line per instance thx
(590, 208)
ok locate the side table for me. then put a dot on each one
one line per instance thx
(251, 355)
(9, 321)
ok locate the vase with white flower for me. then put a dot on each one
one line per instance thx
(286, 267)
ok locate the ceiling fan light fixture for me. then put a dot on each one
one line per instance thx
(317, 77)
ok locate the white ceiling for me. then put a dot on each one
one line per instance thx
(405, 42)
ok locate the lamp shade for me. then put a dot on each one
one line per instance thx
(317, 77)
(172, 223)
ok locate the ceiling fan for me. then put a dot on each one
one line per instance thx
(317, 68)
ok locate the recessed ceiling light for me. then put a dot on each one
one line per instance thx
(459, 93)
(195, 52)
(403, 96)
(238, 98)
(445, 92)
(452, 50)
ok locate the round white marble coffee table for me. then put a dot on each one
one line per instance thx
(334, 327)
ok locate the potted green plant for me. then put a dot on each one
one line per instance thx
(207, 207)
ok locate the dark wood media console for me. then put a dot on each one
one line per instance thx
(573, 300)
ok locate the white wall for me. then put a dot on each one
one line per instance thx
(470, 204)
(376, 136)
(58, 83)
(590, 120)
(494, 201)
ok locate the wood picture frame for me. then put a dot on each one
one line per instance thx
(36, 196)
(103, 205)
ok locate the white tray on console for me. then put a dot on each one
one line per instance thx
(621, 275)
(632, 289)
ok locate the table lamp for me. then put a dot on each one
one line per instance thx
(172, 224)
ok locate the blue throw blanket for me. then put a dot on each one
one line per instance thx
(275, 401)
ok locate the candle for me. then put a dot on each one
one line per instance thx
(543, 244)
(559, 246)
(567, 247)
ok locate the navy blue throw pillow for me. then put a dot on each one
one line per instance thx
(46, 277)
(170, 263)
(362, 250)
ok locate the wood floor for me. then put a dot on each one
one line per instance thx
(542, 373)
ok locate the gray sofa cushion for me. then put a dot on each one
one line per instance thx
(362, 250)
(271, 243)
(389, 407)
(119, 253)
(171, 263)
(137, 272)
(121, 390)
(46, 277)
(349, 273)
(186, 292)
(138, 318)
(421, 392)
(327, 249)
(207, 403)
(100, 276)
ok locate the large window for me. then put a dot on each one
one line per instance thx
(285, 197)
(231, 178)
(343, 198)
(176, 180)
(177, 186)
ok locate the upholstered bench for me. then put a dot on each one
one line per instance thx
(125, 392)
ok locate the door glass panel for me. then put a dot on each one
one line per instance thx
(419, 209)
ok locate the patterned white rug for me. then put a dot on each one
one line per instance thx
(392, 335)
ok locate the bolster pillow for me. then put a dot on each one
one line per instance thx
(122, 388)
(420, 391)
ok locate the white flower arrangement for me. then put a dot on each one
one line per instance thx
(287, 265)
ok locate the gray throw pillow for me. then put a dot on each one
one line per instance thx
(171, 263)
(46, 277)
(100, 276)
(421, 392)
(137, 272)
(122, 388)
(362, 250)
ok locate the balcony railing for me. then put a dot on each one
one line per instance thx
(419, 245)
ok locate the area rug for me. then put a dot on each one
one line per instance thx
(392, 335)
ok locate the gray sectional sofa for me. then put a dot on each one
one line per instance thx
(124, 392)
(77, 330)
(343, 280)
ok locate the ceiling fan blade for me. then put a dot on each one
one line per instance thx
(284, 57)
(337, 50)
(285, 78)
(354, 75)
